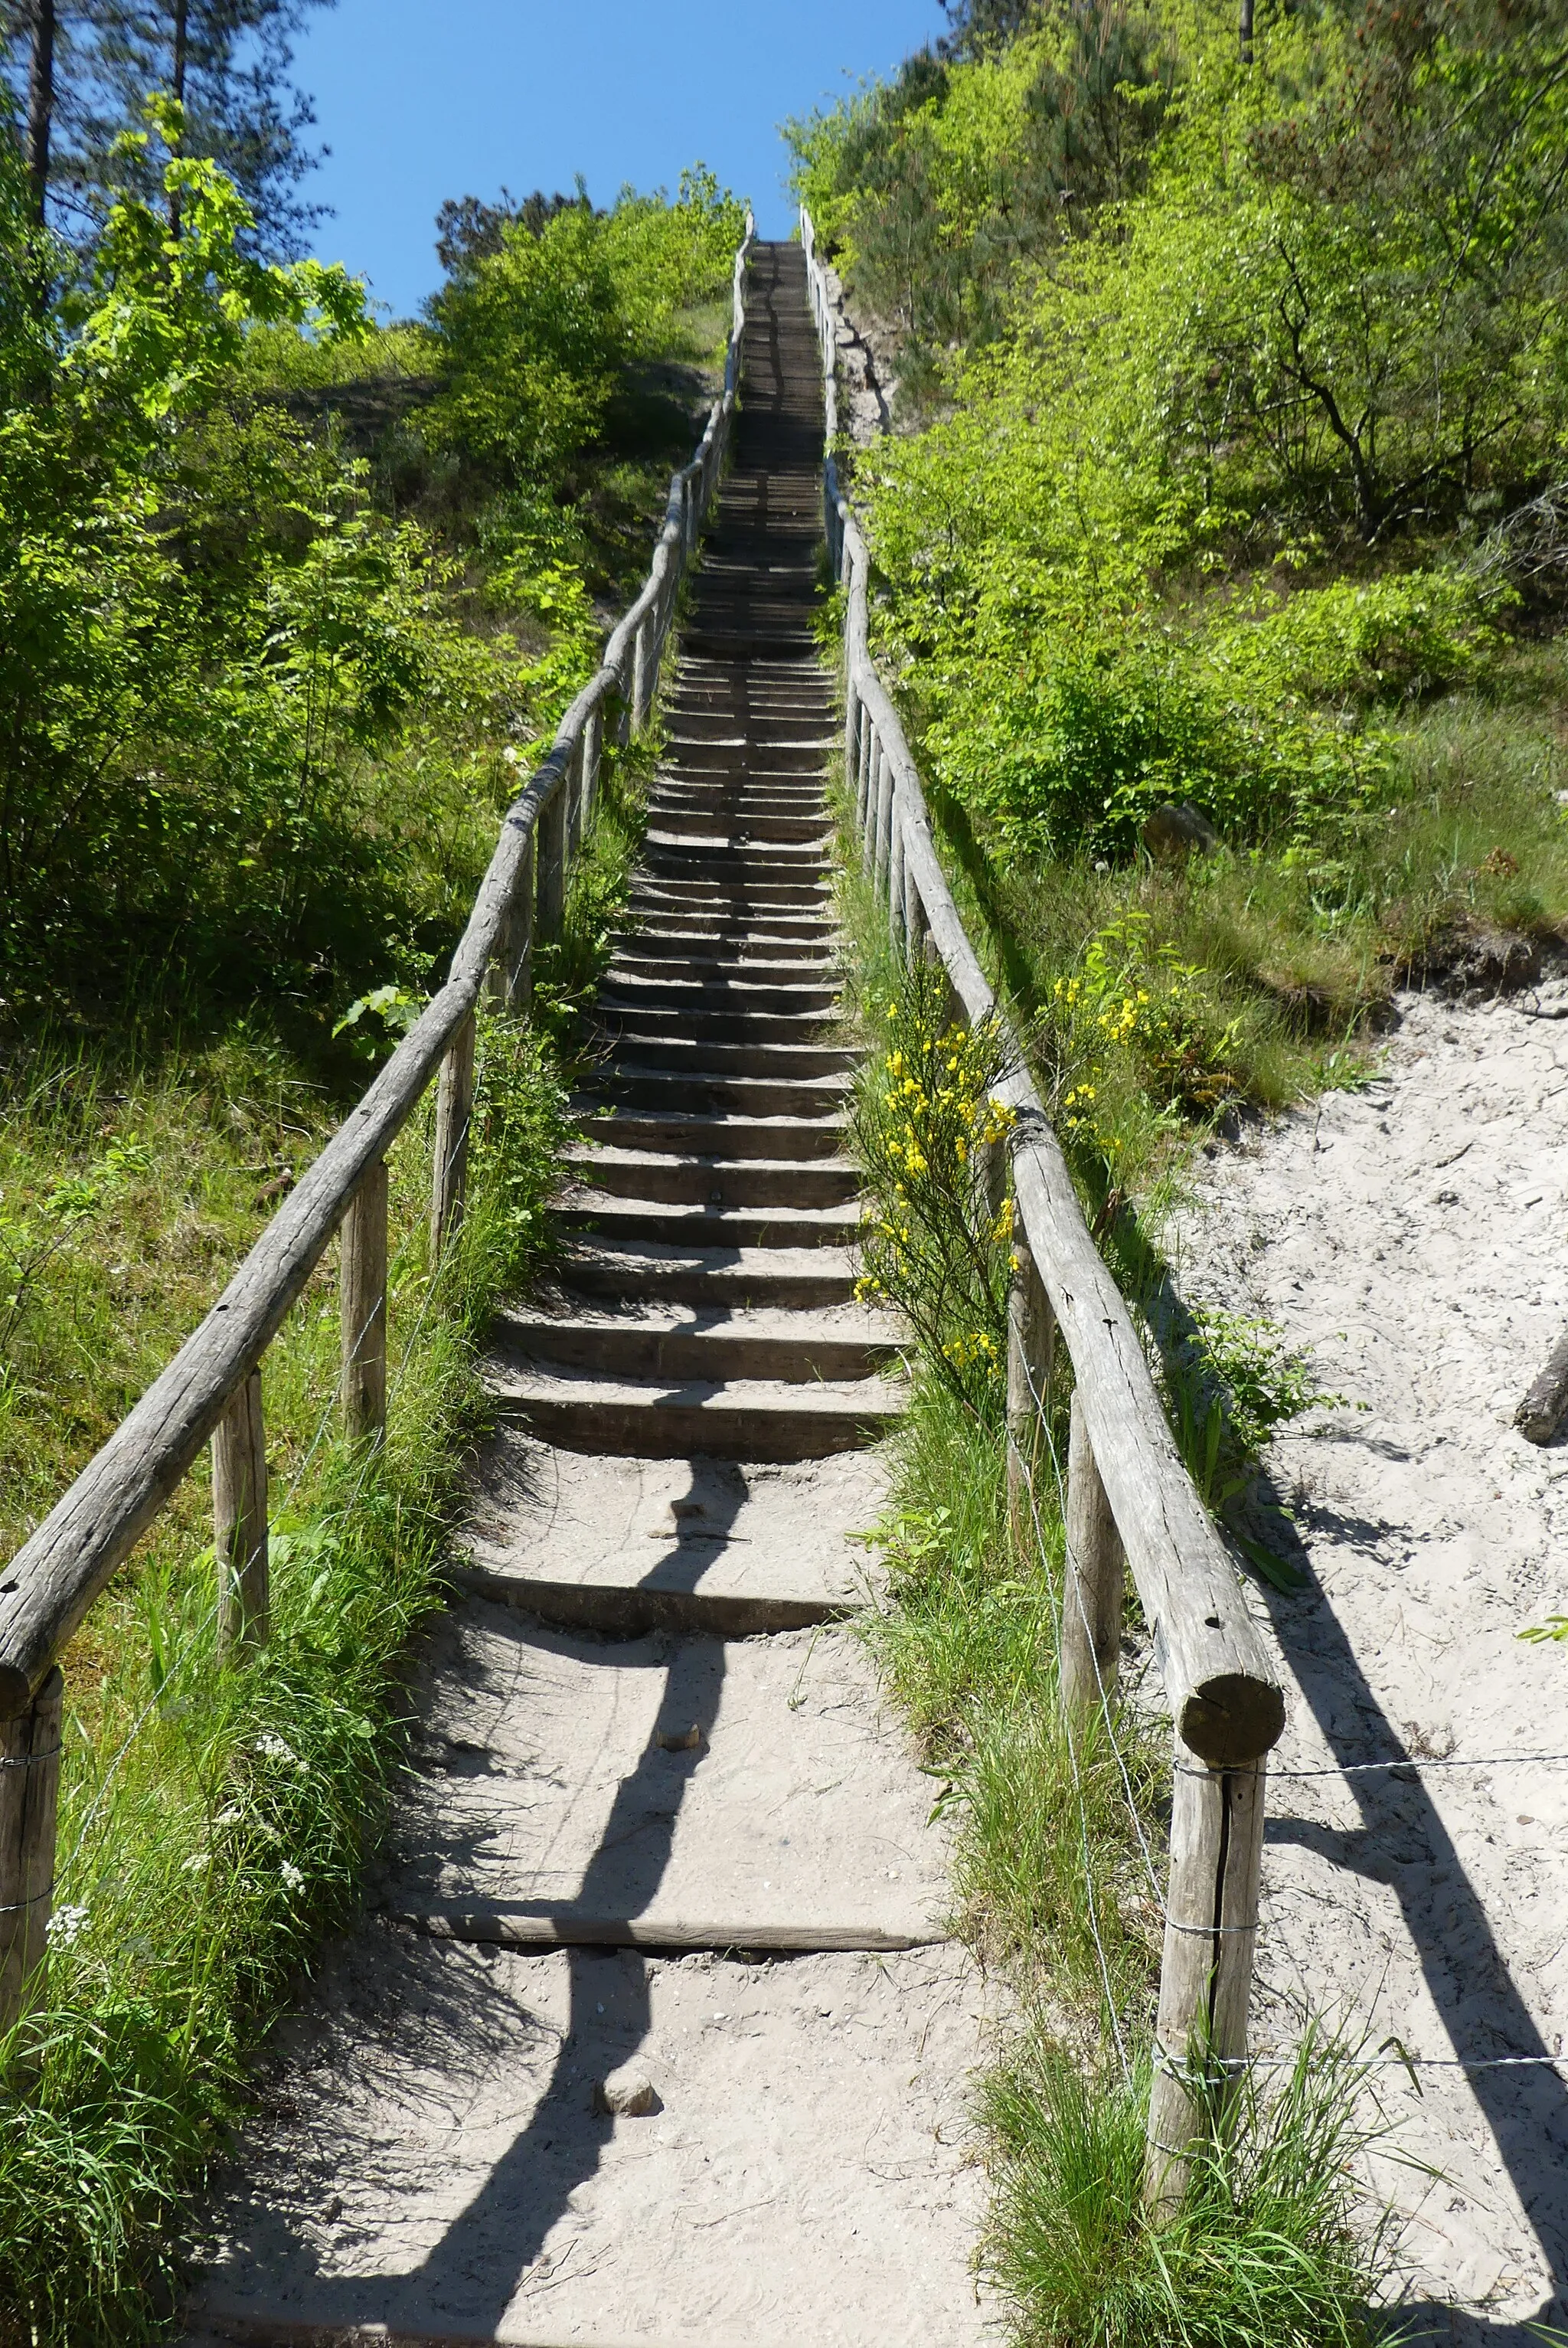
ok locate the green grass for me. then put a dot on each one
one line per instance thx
(1293, 954)
(1271, 2245)
(216, 1822)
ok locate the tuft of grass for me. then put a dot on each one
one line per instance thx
(1269, 2247)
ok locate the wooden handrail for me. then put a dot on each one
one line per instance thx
(59, 1571)
(1222, 1685)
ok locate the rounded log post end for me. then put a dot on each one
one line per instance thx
(1232, 1720)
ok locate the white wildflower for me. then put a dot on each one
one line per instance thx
(66, 1926)
(274, 1748)
(292, 1875)
(196, 1862)
(231, 1817)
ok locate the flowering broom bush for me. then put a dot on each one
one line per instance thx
(936, 1235)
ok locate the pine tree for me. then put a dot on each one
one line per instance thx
(82, 70)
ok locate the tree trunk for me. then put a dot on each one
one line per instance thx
(1246, 32)
(177, 85)
(41, 105)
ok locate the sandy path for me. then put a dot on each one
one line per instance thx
(1412, 1236)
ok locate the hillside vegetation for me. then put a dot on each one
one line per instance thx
(1230, 475)
(1220, 549)
(288, 600)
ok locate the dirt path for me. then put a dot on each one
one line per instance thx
(657, 2034)
(1415, 1237)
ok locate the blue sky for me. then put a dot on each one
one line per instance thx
(421, 99)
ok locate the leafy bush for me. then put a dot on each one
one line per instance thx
(533, 333)
(1256, 346)
(931, 1243)
(1134, 999)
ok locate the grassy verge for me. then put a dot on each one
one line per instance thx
(1060, 1823)
(1177, 991)
(216, 1822)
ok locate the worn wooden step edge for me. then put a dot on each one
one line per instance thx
(633, 1610)
(674, 1935)
(652, 1429)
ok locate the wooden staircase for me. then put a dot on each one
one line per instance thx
(660, 1831)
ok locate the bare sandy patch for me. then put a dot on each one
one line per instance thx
(1412, 1237)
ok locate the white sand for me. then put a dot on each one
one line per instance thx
(1412, 1237)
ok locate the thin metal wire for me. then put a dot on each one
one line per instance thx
(1424, 2063)
(1368, 1769)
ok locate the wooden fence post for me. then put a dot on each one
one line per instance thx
(520, 973)
(29, 1811)
(639, 676)
(552, 861)
(572, 791)
(361, 1274)
(454, 1115)
(1205, 1975)
(1032, 1357)
(592, 746)
(916, 931)
(239, 1521)
(1091, 1594)
(873, 790)
(851, 735)
(884, 843)
(896, 880)
(863, 773)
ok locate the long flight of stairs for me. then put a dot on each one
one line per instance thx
(657, 2033)
(708, 1303)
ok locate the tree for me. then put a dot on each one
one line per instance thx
(40, 102)
(85, 69)
(468, 230)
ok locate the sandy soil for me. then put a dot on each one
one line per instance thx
(1412, 1236)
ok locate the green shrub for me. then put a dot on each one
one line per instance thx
(533, 335)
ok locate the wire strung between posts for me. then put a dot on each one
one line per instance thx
(1368, 1769)
(1422, 2063)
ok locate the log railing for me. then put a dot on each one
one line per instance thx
(213, 1386)
(1130, 1501)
